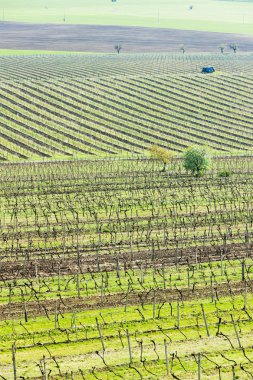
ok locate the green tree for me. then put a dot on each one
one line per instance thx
(196, 160)
(161, 154)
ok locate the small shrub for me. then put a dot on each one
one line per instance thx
(225, 173)
(199, 174)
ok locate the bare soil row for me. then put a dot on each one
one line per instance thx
(67, 305)
(156, 258)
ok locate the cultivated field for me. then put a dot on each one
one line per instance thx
(70, 106)
(102, 38)
(113, 269)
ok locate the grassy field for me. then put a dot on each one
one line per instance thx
(11, 52)
(209, 15)
(75, 106)
(110, 267)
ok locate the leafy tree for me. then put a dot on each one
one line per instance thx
(118, 47)
(234, 46)
(196, 160)
(182, 48)
(161, 154)
(222, 48)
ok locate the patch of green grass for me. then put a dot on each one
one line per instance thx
(66, 285)
(77, 348)
(210, 15)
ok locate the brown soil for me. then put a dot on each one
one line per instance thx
(103, 38)
(66, 305)
(108, 262)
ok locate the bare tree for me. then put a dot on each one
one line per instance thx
(234, 46)
(222, 48)
(182, 48)
(118, 47)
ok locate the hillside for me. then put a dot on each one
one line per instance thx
(77, 105)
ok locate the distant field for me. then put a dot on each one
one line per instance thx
(210, 15)
(103, 38)
(68, 106)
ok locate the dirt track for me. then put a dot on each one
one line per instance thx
(103, 38)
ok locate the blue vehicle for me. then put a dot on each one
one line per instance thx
(208, 70)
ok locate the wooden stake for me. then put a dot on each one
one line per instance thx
(118, 268)
(188, 279)
(164, 279)
(44, 368)
(26, 312)
(153, 251)
(14, 361)
(120, 337)
(178, 314)
(59, 278)
(98, 264)
(166, 357)
(211, 282)
(78, 285)
(221, 263)
(236, 332)
(10, 290)
(141, 355)
(204, 316)
(177, 257)
(243, 270)
(154, 301)
(77, 245)
(131, 248)
(199, 366)
(36, 273)
(233, 372)
(245, 296)
(56, 323)
(128, 289)
(100, 335)
(25, 307)
(102, 290)
(129, 346)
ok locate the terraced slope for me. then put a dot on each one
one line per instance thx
(63, 106)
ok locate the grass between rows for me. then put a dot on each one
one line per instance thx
(183, 277)
(78, 347)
